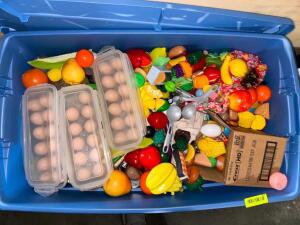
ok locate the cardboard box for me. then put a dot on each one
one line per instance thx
(251, 157)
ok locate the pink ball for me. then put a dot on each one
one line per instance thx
(278, 181)
(72, 114)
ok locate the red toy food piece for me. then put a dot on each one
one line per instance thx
(34, 77)
(240, 101)
(158, 120)
(132, 159)
(213, 74)
(143, 185)
(199, 65)
(253, 94)
(139, 58)
(149, 157)
(84, 58)
(264, 93)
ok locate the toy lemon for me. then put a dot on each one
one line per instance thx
(162, 179)
(238, 67)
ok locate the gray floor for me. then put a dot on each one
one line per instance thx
(287, 213)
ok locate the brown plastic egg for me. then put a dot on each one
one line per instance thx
(120, 77)
(87, 112)
(41, 148)
(89, 126)
(111, 95)
(72, 114)
(117, 123)
(108, 82)
(78, 143)
(43, 164)
(83, 174)
(105, 68)
(39, 133)
(116, 63)
(84, 98)
(36, 118)
(114, 109)
(80, 159)
(75, 129)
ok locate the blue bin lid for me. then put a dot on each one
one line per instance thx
(22, 15)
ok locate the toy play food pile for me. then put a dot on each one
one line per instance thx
(154, 110)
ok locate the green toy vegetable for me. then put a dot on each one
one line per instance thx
(197, 185)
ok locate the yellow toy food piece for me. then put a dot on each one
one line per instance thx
(238, 67)
(190, 153)
(150, 104)
(166, 94)
(206, 88)
(159, 103)
(245, 119)
(211, 148)
(174, 62)
(258, 123)
(225, 75)
(162, 179)
(54, 74)
(72, 73)
(158, 52)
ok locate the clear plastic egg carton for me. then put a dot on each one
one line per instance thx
(88, 158)
(42, 160)
(123, 119)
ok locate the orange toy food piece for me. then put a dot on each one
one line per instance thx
(118, 184)
(200, 81)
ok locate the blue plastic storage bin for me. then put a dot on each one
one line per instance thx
(70, 25)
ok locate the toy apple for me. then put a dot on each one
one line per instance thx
(240, 101)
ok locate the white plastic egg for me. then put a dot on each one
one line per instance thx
(211, 130)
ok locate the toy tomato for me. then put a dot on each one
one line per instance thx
(240, 101)
(253, 94)
(143, 185)
(264, 93)
(132, 159)
(212, 73)
(34, 77)
(158, 120)
(84, 58)
(139, 58)
(149, 157)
